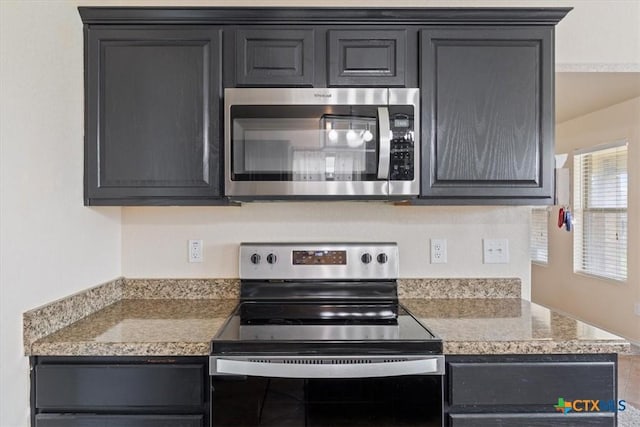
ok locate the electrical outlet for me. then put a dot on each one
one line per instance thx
(496, 251)
(438, 251)
(195, 251)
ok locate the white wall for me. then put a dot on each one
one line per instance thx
(51, 245)
(605, 303)
(154, 240)
(597, 35)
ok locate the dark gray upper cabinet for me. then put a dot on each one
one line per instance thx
(320, 56)
(487, 113)
(374, 57)
(154, 80)
(274, 57)
(152, 115)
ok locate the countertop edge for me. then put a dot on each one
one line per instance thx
(120, 349)
(202, 348)
(533, 347)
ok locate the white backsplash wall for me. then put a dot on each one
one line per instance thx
(154, 240)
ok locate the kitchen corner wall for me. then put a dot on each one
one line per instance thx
(50, 245)
(154, 240)
(604, 303)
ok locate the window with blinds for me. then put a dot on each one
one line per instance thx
(539, 239)
(600, 211)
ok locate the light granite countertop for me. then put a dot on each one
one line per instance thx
(171, 317)
(509, 326)
(141, 327)
(466, 326)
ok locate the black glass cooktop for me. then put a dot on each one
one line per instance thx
(317, 327)
(301, 313)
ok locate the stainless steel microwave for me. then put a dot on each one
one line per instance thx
(351, 143)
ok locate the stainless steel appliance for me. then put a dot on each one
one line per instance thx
(324, 142)
(320, 339)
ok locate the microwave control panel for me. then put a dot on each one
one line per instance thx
(402, 160)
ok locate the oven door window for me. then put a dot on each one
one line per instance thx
(304, 143)
(396, 401)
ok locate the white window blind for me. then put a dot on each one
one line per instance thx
(539, 243)
(600, 211)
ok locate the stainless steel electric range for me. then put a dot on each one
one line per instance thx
(320, 339)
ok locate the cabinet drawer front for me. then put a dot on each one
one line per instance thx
(529, 383)
(116, 386)
(66, 420)
(274, 57)
(605, 419)
(367, 58)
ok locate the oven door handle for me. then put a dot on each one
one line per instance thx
(384, 131)
(317, 369)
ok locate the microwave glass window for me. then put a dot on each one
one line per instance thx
(304, 143)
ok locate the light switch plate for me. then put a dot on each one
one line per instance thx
(495, 251)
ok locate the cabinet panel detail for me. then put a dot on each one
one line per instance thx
(117, 386)
(367, 57)
(488, 112)
(87, 420)
(603, 419)
(152, 113)
(529, 383)
(487, 96)
(275, 57)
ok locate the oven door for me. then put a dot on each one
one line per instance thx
(343, 143)
(315, 391)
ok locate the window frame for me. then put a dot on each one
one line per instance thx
(581, 194)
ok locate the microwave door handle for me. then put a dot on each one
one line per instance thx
(385, 143)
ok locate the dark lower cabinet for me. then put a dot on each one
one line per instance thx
(487, 114)
(64, 420)
(120, 385)
(531, 420)
(152, 115)
(120, 391)
(524, 390)
(479, 390)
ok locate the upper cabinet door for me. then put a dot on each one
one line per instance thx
(367, 57)
(487, 103)
(152, 115)
(268, 57)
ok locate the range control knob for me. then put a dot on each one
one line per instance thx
(255, 259)
(382, 258)
(366, 258)
(272, 258)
